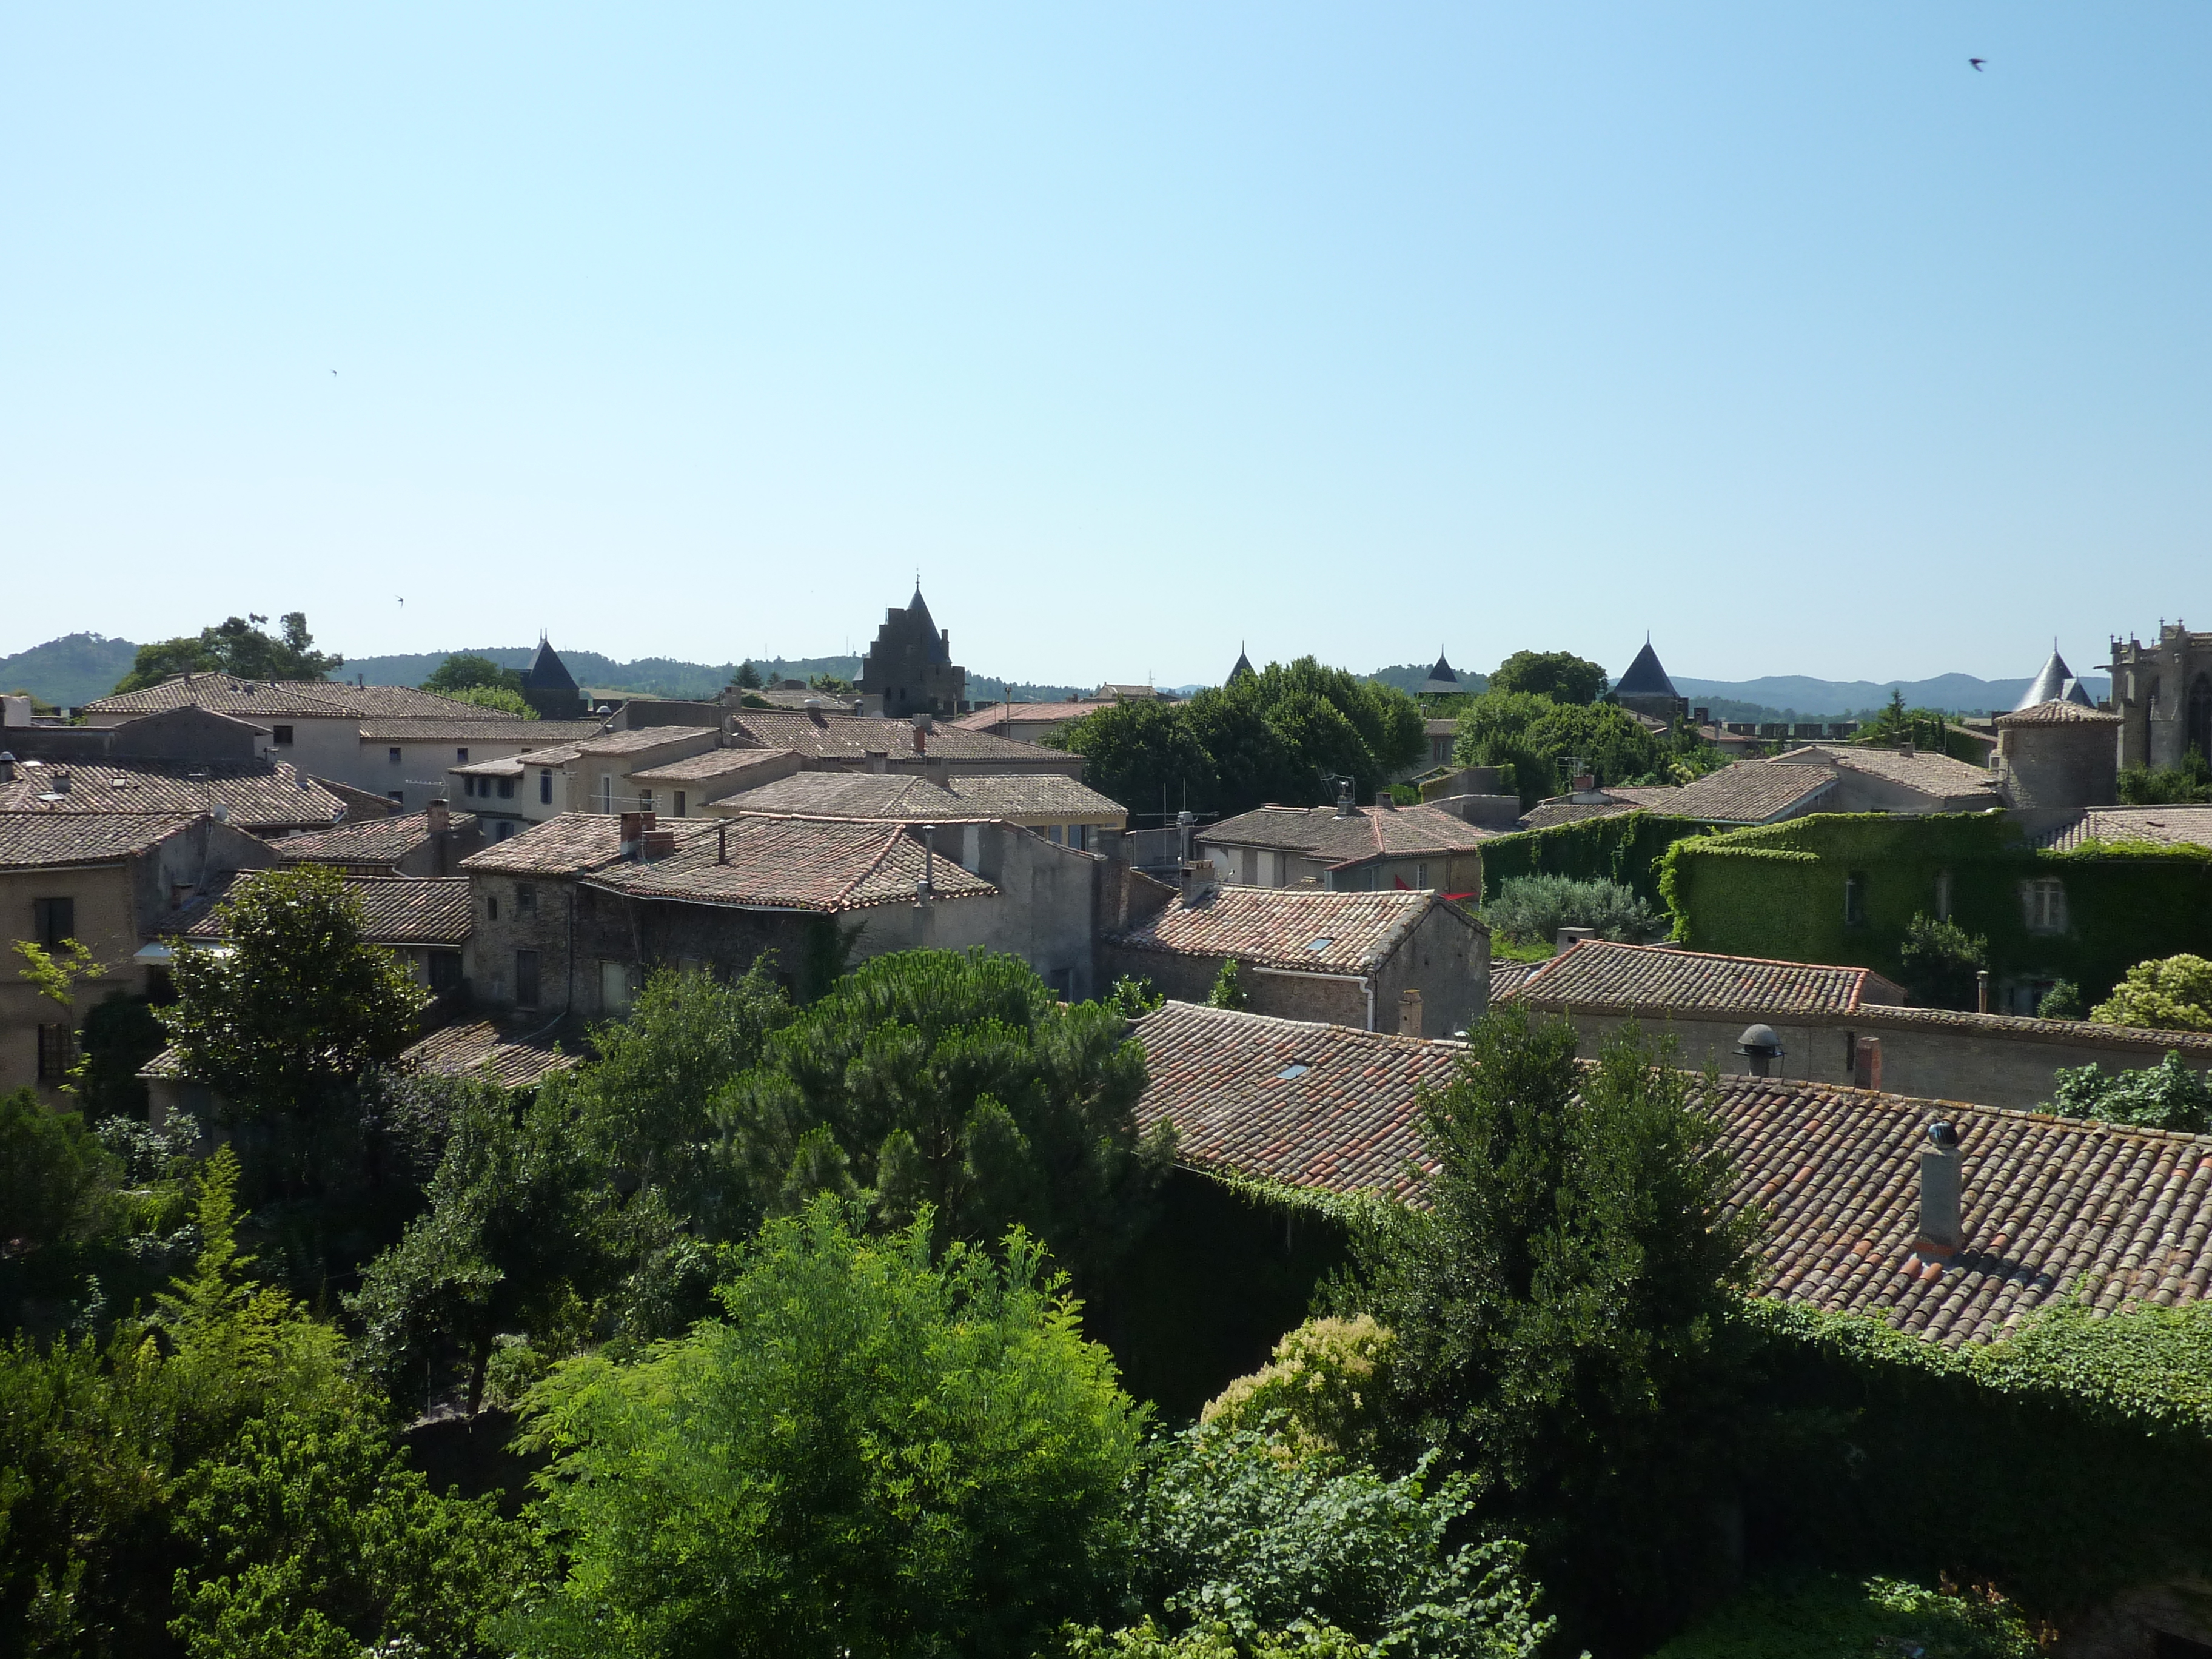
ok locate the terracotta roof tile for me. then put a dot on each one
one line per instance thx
(482, 725)
(1599, 973)
(642, 737)
(2058, 712)
(257, 794)
(2164, 826)
(850, 737)
(482, 1050)
(372, 841)
(2052, 1205)
(1320, 833)
(395, 909)
(713, 763)
(1288, 927)
(1751, 792)
(31, 840)
(1544, 814)
(301, 699)
(1931, 773)
(999, 714)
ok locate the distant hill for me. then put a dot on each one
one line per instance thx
(1410, 677)
(1786, 693)
(72, 670)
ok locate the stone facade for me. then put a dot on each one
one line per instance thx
(2163, 696)
(2057, 758)
(910, 666)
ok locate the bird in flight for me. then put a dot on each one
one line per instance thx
(1976, 62)
(396, 597)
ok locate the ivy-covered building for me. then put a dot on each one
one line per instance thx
(1845, 887)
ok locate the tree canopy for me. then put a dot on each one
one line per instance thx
(1278, 736)
(465, 672)
(237, 645)
(1559, 675)
(2172, 993)
(1537, 737)
(299, 1005)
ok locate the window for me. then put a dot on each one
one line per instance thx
(526, 899)
(491, 907)
(1079, 836)
(502, 830)
(1420, 875)
(507, 788)
(645, 801)
(56, 1053)
(2043, 905)
(614, 987)
(525, 979)
(395, 795)
(52, 920)
(468, 786)
(1855, 899)
(544, 786)
(1061, 981)
(460, 757)
(445, 973)
(1292, 1071)
(606, 793)
(1052, 834)
(284, 734)
(679, 803)
(393, 754)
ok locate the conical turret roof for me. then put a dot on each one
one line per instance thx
(1645, 677)
(1243, 667)
(1443, 680)
(917, 610)
(548, 672)
(2050, 686)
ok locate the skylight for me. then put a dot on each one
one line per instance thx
(1293, 1070)
(1321, 944)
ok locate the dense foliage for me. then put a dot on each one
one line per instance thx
(1825, 1614)
(1326, 1387)
(1561, 1309)
(2167, 1096)
(1533, 910)
(236, 646)
(874, 1451)
(1281, 735)
(2161, 785)
(2173, 993)
(464, 671)
(1940, 963)
(1559, 675)
(957, 1083)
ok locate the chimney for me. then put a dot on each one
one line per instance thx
(656, 844)
(1409, 1013)
(439, 816)
(926, 888)
(1567, 938)
(60, 781)
(631, 832)
(1762, 1046)
(1584, 783)
(1186, 825)
(1866, 1066)
(1345, 809)
(1384, 800)
(1195, 879)
(1941, 1231)
(878, 760)
(1905, 749)
(1981, 990)
(7, 766)
(722, 841)
(922, 735)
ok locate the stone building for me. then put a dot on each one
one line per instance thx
(2163, 696)
(910, 666)
(2057, 758)
(1645, 690)
(549, 687)
(1347, 848)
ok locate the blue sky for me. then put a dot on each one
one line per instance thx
(1143, 330)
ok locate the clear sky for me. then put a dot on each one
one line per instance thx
(1142, 330)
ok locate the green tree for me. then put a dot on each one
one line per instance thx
(1143, 754)
(2164, 786)
(1939, 961)
(518, 1237)
(57, 1183)
(1562, 1310)
(121, 1034)
(2171, 993)
(300, 1006)
(496, 697)
(236, 646)
(747, 679)
(1533, 910)
(2167, 1096)
(1538, 737)
(463, 671)
(957, 1083)
(1559, 675)
(1816, 1616)
(1227, 990)
(877, 1451)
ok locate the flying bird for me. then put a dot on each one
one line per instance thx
(396, 597)
(1976, 62)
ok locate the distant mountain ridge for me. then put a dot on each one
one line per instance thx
(1950, 694)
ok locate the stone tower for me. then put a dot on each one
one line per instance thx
(1645, 690)
(910, 666)
(2163, 694)
(548, 686)
(1443, 680)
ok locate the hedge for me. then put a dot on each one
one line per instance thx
(1625, 848)
(1778, 891)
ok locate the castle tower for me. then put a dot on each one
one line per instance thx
(1443, 680)
(548, 686)
(1243, 669)
(1645, 690)
(2163, 694)
(910, 666)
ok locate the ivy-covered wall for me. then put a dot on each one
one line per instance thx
(1625, 848)
(1779, 891)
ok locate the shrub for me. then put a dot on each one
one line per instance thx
(2161, 785)
(1940, 962)
(1535, 908)
(2061, 1001)
(2167, 1096)
(1326, 1387)
(871, 1453)
(1816, 1618)
(1227, 990)
(2171, 995)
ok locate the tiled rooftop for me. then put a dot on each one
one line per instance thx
(513, 766)
(998, 715)
(850, 737)
(1320, 833)
(34, 840)
(1033, 795)
(789, 863)
(713, 763)
(2052, 1206)
(481, 1050)
(257, 793)
(1600, 974)
(1508, 975)
(395, 910)
(298, 699)
(1751, 792)
(1931, 773)
(1544, 814)
(643, 738)
(374, 841)
(2164, 826)
(2057, 712)
(906, 796)
(1287, 928)
(480, 726)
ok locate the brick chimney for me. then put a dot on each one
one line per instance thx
(1195, 878)
(1865, 1065)
(1409, 1013)
(922, 735)
(1344, 808)
(441, 818)
(1942, 1228)
(634, 828)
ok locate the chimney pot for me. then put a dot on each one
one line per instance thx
(440, 815)
(1409, 1013)
(1762, 1045)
